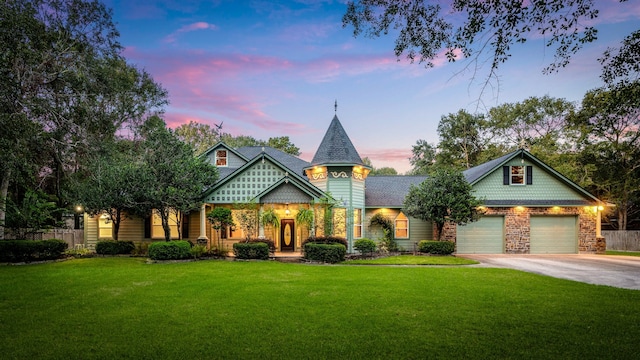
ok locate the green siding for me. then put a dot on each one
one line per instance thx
(357, 193)
(544, 187)
(418, 229)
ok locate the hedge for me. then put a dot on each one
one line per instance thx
(436, 247)
(251, 250)
(269, 242)
(329, 253)
(326, 240)
(29, 250)
(365, 246)
(170, 250)
(111, 247)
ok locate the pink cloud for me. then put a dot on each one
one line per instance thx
(392, 157)
(188, 28)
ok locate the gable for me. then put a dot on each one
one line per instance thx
(285, 193)
(544, 189)
(247, 184)
(234, 159)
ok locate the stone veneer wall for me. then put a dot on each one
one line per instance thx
(518, 230)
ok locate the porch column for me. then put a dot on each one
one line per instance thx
(599, 223)
(203, 223)
(260, 226)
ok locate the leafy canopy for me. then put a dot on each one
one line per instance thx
(444, 196)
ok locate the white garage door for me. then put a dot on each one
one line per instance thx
(485, 236)
(554, 235)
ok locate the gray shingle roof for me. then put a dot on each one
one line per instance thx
(336, 147)
(389, 191)
(295, 164)
(481, 170)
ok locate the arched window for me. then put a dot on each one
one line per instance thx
(402, 226)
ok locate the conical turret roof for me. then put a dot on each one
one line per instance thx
(336, 147)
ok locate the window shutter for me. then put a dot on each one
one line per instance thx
(529, 175)
(147, 227)
(505, 175)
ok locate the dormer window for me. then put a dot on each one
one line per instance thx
(517, 175)
(221, 158)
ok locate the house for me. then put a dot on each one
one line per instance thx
(529, 207)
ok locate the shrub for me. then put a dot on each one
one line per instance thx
(28, 250)
(198, 250)
(329, 253)
(251, 250)
(365, 245)
(141, 249)
(269, 242)
(111, 247)
(326, 240)
(170, 250)
(436, 247)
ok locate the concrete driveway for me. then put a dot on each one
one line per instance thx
(617, 271)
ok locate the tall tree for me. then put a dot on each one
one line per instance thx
(423, 158)
(610, 121)
(444, 196)
(171, 177)
(462, 139)
(62, 75)
(199, 136)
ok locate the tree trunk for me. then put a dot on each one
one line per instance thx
(622, 216)
(164, 216)
(116, 224)
(439, 228)
(4, 189)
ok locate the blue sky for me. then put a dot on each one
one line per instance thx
(270, 69)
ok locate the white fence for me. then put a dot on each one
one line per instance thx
(626, 240)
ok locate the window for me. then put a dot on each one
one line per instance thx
(221, 158)
(517, 175)
(105, 227)
(339, 222)
(357, 223)
(402, 226)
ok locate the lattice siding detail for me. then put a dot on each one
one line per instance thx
(248, 184)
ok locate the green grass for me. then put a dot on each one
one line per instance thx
(414, 260)
(626, 253)
(108, 308)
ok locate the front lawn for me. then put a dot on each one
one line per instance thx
(625, 253)
(118, 308)
(414, 260)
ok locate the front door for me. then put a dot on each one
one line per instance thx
(287, 235)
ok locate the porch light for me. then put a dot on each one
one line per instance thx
(286, 210)
(600, 208)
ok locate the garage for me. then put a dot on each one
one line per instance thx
(485, 236)
(554, 235)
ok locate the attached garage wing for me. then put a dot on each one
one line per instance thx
(554, 235)
(485, 236)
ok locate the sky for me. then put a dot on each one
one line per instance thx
(268, 69)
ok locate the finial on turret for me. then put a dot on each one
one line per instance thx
(335, 106)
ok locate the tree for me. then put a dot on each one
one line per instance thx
(34, 214)
(425, 30)
(220, 218)
(462, 139)
(423, 158)
(284, 144)
(247, 215)
(623, 64)
(170, 176)
(379, 171)
(609, 120)
(64, 81)
(109, 188)
(199, 136)
(444, 196)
